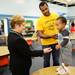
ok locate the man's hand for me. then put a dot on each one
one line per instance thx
(47, 50)
(55, 36)
(58, 46)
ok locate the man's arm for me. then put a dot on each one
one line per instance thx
(41, 35)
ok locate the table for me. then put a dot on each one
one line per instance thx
(4, 50)
(52, 71)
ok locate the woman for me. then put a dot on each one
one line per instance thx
(20, 53)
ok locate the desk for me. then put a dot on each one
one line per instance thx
(3, 50)
(52, 71)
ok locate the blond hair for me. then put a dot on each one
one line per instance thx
(17, 20)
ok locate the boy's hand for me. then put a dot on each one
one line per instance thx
(47, 50)
(58, 46)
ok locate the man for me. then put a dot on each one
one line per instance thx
(47, 31)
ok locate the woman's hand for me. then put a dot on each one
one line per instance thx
(47, 50)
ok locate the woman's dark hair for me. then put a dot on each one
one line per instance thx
(63, 19)
(42, 4)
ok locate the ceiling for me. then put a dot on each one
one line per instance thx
(62, 2)
(66, 1)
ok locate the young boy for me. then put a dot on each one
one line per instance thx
(63, 41)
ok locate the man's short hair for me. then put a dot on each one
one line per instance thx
(42, 4)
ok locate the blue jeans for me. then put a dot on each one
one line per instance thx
(55, 55)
